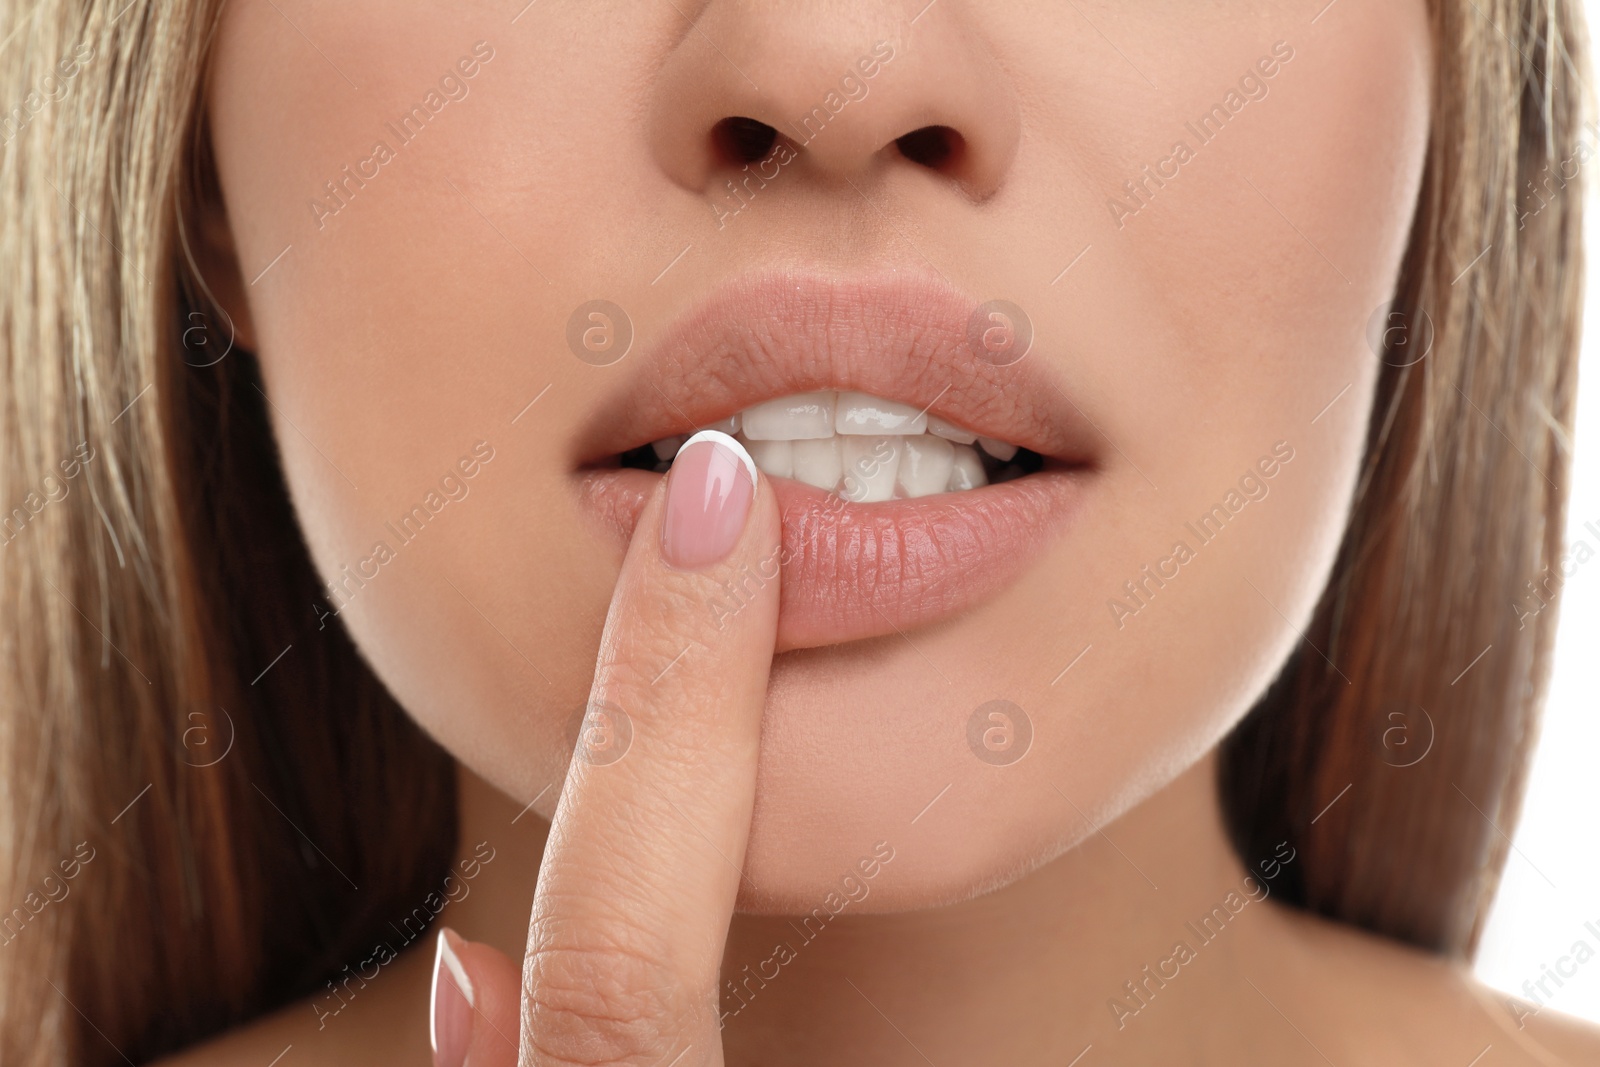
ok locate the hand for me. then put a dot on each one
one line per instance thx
(643, 864)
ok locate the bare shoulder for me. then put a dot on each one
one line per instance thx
(255, 1042)
(1567, 1039)
(1432, 1008)
(384, 1020)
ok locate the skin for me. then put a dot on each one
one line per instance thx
(1226, 316)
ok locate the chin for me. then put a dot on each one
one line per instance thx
(869, 789)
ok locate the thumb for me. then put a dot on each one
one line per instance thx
(476, 1004)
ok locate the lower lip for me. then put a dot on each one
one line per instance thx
(855, 571)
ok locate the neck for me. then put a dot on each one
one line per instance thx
(1102, 945)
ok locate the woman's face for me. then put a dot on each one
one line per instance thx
(1197, 211)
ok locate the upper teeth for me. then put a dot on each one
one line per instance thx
(862, 447)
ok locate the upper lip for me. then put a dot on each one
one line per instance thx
(779, 333)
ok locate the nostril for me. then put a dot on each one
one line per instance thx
(743, 140)
(934, 147)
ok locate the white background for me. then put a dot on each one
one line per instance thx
(1552, 880)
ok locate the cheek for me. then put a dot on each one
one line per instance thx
(1246, 284)
(1265, 260)
(400, 317)
(1229, 315)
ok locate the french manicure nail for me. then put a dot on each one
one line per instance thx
(709, 491)
(450, 1013)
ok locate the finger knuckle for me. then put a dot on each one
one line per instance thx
(600, 1005)
(639, 657)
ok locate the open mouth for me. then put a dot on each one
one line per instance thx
(863, 448)
(914, 480)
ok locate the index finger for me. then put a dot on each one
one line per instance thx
(643, 862)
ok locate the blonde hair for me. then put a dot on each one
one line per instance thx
(141, 604)
(148, 599)
(1461, 505)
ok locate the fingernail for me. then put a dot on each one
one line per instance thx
(450, 1013)
(709, 490)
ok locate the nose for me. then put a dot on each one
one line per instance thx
(836, 91)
